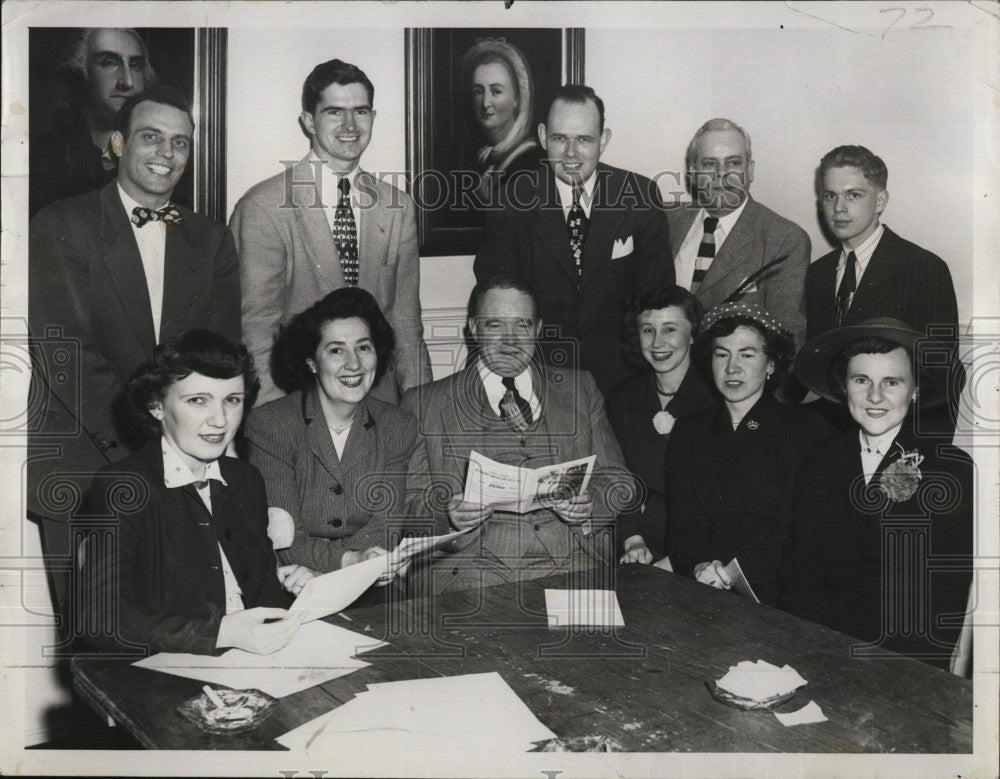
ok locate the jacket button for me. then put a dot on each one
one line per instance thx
(338, 490)
(335, 522)
(523, 442)
(454, 571)
(537, 527)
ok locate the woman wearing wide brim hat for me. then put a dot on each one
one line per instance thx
(730, 467)
(878, 509)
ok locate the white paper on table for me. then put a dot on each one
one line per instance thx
(595, 608)
(317, 653)
(332, 592)
(760, 681)
(438, 713)
(509, 488)
(739, 582)
(807, 715)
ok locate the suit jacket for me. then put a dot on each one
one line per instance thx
(337, 504)
(626, 251)
(456, 418)
(758, 237)
(160, 568)
(631, 407)
(901, 280)
(92, 325)
(851, 551)
(288, 261)
(731, 490)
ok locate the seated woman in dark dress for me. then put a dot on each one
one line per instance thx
(333, 457)
(659, 331)
(189, 567)
(730, 468)
(880, 545)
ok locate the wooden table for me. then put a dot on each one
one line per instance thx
(642, 685)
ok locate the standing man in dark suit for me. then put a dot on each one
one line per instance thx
(111, 274)
(585, 235)
(875, 273)
(325, 223)
(724, 235)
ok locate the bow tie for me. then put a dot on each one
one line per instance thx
(168, 215)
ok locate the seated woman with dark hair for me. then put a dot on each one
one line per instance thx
(659, 331)
(190, 564)
(730, 468)
(333, 457)
(880, 545)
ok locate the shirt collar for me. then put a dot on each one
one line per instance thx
(865, 251)
(727, 222)
(879, 444)
(566, 195)
(131, 205)
(176, 472)
(495, 390)
(332, 178)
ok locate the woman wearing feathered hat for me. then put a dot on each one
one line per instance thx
(730, 467)
(881, 537)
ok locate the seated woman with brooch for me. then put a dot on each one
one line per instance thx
(880, 545)
(333, 458)
(730, 467)
(659, 331)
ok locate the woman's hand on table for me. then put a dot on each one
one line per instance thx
(575, 510)
(636, 551)
(713, 574)
(294, 577)
(465, 515)
(261, 630)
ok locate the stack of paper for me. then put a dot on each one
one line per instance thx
(760, 681)
(474, 711)
(593, 608)
(317, 653)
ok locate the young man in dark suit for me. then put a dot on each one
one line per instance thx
(585, 235)
(111, 274)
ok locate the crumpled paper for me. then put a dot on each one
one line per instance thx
(760, 681)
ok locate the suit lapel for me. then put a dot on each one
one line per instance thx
(826, 282)
(375, 229)
(124, 265)
(878, 276)
(684, 216)
(362, 442)
(732, 263)
(316, 234)
(604, 224)
(550, 227)
(318, 436)
(186, 278)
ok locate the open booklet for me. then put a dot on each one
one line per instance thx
(510, 488)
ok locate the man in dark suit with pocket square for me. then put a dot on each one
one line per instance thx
(585, 235)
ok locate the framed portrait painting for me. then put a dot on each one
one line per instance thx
(475, 97)
(78, 79)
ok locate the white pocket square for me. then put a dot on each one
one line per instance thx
(749, 289)
(622, 248)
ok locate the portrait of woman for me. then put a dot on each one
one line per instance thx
(502, 126)
(190, 562)
(659, 327)
(730, 468)
(877, 506)
(334, 458)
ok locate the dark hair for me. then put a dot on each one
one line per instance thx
(333, 72)
(158, 93)
(872, 344)
(779, 345)
(500, 281)
(855, 157)
(298, 340)
(579, 94)
(654, 299)
(196, 351)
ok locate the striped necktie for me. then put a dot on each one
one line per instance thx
(706, 252)
(345, 234)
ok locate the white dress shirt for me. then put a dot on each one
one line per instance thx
(566, 199)
(331, 195)
(874, 449)
(176, 473)
(495, 390)
(687, 255)
(864, 253)
(152, 241)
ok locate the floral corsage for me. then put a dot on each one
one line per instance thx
(900, 478)
(663, 422)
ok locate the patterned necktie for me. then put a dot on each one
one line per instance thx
(577, 225)
(847, 286)
(168, 215)
(706, 252)
(514, 409)
(345, 234)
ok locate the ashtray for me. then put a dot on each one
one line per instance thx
(241, 710)
(747, 704)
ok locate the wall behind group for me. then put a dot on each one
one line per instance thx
(799, 91)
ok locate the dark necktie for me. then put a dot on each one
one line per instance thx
(706, 252)
(577, 225)
(514, 409)
(345, 234)
(847, 286)
(168, 215)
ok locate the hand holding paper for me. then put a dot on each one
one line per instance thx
(575, 510)
(509, 488)
(250, 630)
(467, 515)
